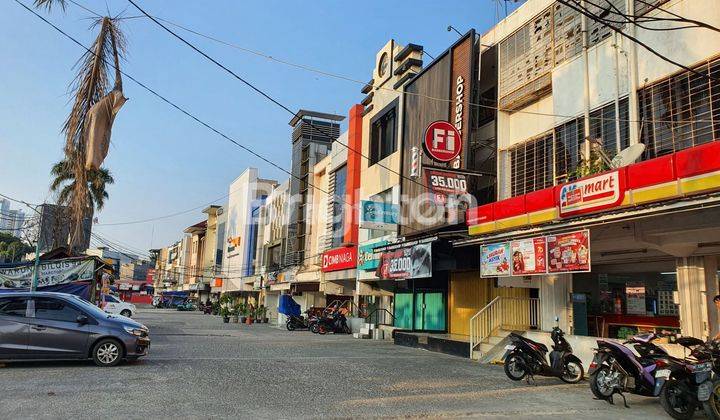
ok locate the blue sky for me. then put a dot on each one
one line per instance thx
(162, 161)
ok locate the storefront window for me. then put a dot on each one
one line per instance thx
(618, 305)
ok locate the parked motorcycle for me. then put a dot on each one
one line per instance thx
(616, 370)
(525, 357)
(335, 322)
(296, 322)
(679, 380)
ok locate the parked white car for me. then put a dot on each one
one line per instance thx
(114, 305)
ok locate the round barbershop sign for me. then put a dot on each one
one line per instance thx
(442, 141)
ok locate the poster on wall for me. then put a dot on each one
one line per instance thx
(528, 256)
(495, 260)
(445, 183)
(408, 262)
(569, 252)
(635, 299)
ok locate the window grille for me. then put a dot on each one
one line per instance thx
(531, 165)
(681, 111)
(568, 145)
(602, 127)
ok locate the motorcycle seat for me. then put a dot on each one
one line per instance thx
(541, 346)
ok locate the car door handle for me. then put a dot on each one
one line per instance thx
(38, 328)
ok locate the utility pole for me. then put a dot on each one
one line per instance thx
(36, 270)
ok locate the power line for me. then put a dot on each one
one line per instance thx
(576, 6)
(177, 107)
(338, 76)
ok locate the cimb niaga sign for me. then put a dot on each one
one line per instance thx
(592, 194)
(343, 258)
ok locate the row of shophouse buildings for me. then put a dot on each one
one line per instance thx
(468, 196)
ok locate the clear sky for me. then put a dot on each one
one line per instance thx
(162, 161)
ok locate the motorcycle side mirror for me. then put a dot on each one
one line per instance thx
(557, 319)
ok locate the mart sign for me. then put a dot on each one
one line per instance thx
(592, 194)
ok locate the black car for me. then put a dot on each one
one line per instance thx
(60, 326)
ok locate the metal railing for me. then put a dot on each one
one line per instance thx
(380, 316)
(506, 313)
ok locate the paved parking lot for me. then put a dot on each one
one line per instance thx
(200, 367)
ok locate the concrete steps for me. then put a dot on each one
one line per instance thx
(492, 348)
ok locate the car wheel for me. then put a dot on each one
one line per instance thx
(126, 312)
(107, 352)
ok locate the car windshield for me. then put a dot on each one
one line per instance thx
(89, 307)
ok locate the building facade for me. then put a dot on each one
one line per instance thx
(629, 243)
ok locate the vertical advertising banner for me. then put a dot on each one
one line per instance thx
(528, 256)
(569, 252)
(495, 260)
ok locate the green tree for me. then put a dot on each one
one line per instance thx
(64, 184)
(12, 249)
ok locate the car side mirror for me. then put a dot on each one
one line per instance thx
(82, 319)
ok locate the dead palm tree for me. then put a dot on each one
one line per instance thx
(80, 188)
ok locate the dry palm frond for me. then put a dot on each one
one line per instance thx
(48, 4)
(89, 86)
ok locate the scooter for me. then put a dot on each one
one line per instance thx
(616, 370)
(525, 357)
(296, 322)
(335, 323)
(679, 380)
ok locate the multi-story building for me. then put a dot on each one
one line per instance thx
(378, 126)
(631, 243)
(273, 224)
(247, 194)
(313, 133)
(194, 279)
(114, 258)
(12, 221)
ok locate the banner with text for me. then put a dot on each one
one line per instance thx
(51, 273)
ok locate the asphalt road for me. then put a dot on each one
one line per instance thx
(199, 367)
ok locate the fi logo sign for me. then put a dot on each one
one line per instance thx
(442, 141)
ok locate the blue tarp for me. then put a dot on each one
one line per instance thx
(288, 306)
(81, 289)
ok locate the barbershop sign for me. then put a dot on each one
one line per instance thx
(592, 194)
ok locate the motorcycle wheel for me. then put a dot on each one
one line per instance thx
(712, 406)
(290, 326)
(573, 372)
(314, 328)
(598, 383)
(346, 329)
(678, 404)
(514, 367)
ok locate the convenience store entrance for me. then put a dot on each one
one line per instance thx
(621, 300)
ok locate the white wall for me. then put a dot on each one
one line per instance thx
(605, 76)
(687, 46)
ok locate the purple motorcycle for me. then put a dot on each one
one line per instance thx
(615, 369)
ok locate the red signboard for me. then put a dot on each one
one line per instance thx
(445, 183)
(339, 259)
(528, 256)
(569, 252)
(442, 141)
(150, 276)
(592, 193)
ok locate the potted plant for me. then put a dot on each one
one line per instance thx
(241, 309)
(250, 312)
(262, 314)
(225, 313)
(216, 307)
